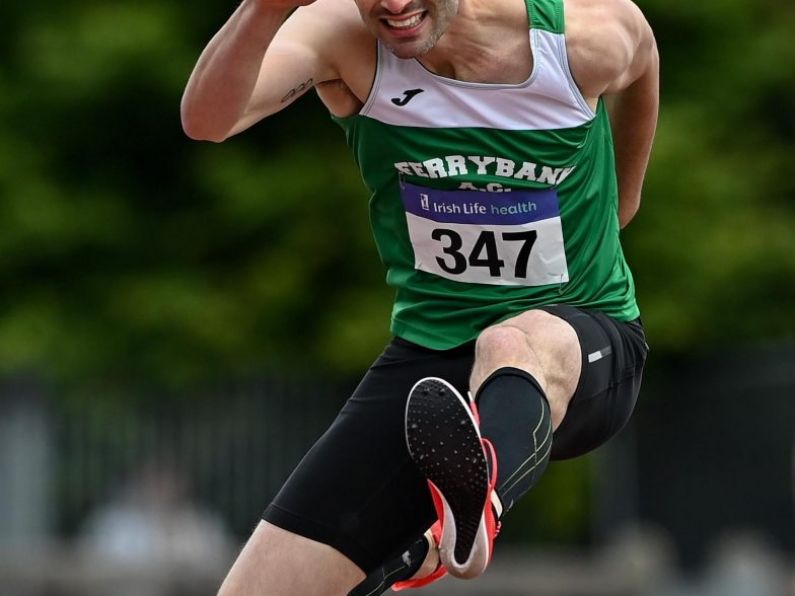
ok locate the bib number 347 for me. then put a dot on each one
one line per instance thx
(484, 253)
(509, 239)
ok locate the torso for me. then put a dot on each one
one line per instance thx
(493, 185)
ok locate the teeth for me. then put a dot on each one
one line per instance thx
(405, 23)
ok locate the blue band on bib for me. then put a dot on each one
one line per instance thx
(483, 208)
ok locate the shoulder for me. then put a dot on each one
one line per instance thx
(609, 43)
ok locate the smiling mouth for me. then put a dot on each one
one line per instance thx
(405, 23)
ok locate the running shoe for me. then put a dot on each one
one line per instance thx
(444, 441)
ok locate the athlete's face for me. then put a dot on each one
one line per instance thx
(409, 28)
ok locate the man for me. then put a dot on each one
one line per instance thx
(481, 128)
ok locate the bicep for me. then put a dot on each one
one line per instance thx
(297, 59)
(285, 75)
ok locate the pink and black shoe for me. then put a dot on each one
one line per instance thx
(443, 438)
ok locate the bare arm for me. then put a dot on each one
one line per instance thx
(255, 66)
(617, 58)
(633, 105)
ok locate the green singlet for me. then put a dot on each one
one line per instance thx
(490, 199)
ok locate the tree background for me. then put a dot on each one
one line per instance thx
(133, 257)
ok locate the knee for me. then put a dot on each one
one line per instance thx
(532, 330)
(540, 343)
(500, 339)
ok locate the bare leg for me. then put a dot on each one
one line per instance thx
(275, 562)
(542, 344)
(539, 343)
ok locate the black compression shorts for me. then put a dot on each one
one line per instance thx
(357, 490)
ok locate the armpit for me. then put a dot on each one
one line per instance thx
(338, 98)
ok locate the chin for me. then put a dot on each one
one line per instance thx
(404, 53)
(410, 50)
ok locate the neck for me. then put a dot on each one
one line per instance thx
(480, 37)
(466, 40)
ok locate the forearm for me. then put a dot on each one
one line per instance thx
(222, 83)
(633, 115)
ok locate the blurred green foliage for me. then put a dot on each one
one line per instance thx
(128, 252)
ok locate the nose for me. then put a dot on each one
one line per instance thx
(395, 6)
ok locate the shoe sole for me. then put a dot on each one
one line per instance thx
(444, 441)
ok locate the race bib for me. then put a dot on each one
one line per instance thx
(508, 238)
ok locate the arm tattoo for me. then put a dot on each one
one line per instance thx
(298, 90)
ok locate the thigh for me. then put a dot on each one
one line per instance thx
(613, 355)
(275, 561)
(357, 489)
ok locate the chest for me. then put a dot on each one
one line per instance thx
(509, 62)
(506, 62)
(539, 95)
